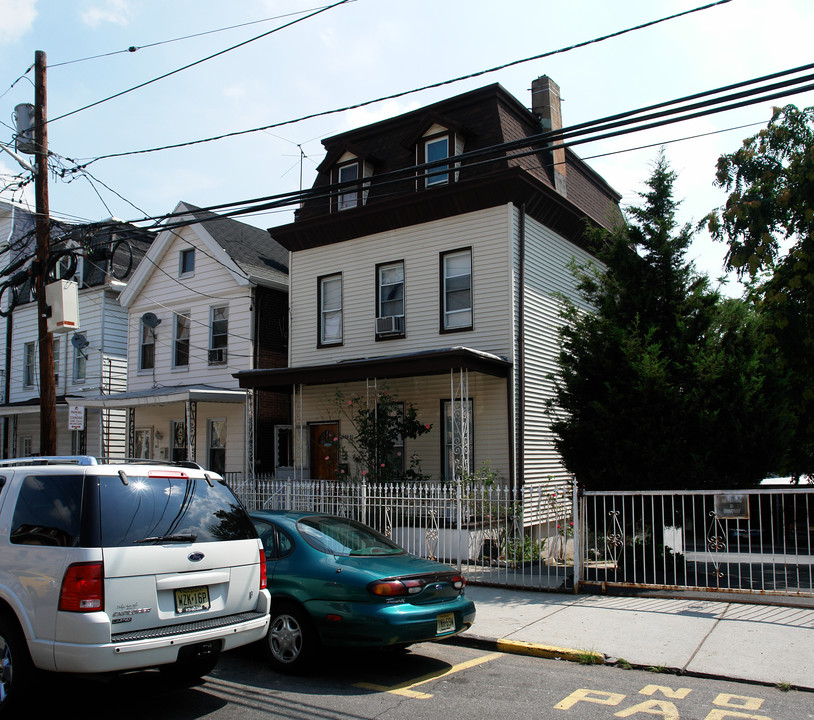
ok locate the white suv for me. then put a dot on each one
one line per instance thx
(113, 567)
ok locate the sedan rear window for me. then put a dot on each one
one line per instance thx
(155, 510)
(340, 536)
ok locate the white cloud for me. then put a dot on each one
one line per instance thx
(17, 17)
(117, 12)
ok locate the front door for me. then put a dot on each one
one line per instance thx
(324, 450)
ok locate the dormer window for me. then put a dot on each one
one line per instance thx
(435, 149)
(348, 197)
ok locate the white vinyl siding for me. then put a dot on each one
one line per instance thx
(213, 284)
(546, 276)
(486, 232)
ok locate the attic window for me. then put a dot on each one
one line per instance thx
(349, 197)
(186, 262)
(436, 148)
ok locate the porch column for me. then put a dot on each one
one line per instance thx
(248, 470)
(131, 432)
(191, 408)
(461, 422)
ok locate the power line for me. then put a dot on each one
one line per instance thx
(202, 60)
(136, 48)
(403, 93)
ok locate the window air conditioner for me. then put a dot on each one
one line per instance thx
(390, 325)
(217, 356)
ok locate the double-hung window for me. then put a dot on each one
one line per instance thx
(348, 197)
(456, 290)
(436, 149)
(146, 359)
(218, 335)
(180, 345)
(330, 310)
(80, 364)
(29, 363)
(390, 299)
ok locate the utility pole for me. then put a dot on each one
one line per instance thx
(48, 401)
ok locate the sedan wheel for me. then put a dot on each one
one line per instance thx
(291, 639)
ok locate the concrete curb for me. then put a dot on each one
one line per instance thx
(520, 647)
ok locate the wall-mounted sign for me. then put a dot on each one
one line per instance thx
(732, 506)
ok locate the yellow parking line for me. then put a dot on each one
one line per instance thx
(405, 688)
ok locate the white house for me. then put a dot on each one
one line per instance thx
(430, 263)
(208, 300)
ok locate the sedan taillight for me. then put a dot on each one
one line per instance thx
(83, 588)
(412, 586)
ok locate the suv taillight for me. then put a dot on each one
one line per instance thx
(83, 588)
(264, 580)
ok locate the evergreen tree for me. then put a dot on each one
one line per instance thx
(661, 383)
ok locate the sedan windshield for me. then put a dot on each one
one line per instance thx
(340, 536)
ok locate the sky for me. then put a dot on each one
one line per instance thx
(355, 52)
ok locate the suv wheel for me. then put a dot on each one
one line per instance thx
(16, 668)
(291, 639)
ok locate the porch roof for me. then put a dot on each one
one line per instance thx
(161, 396)
(430, 362)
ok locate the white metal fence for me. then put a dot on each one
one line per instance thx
(757, 541)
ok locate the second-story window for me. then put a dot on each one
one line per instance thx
(80, 364)
(330, 310)
(146, 360)
(218, 335)
(29, 363)
(186, 262)
(436, 149)
(390, 299)
(348, 197)
(180, 343)
(456, 290)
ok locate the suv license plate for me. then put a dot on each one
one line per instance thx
(191, 599)
(446, 623)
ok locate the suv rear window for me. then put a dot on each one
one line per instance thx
(47, 511)
(167, 509)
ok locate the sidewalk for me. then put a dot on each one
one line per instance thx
(763, 643)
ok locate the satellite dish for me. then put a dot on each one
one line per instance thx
(79, 341)
(151, 320)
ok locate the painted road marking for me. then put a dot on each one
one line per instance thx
(405, 688)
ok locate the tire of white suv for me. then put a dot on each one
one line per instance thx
(16, 668)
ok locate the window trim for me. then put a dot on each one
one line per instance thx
(443, 326)
(438, 178)
(182, 255)
(321, 342)
(76, 378)
(29, 368)
(352, 194)
(212, 336)
(378, 300)
(150, 332)
(176, 322)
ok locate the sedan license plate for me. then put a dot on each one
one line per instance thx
(446, 623)
(191, 599)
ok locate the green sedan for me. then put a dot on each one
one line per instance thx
(337, 582)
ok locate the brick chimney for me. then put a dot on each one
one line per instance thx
(546, 104)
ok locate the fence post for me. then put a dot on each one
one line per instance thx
(578, 525)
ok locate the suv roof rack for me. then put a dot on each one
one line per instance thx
(90, 460)
(51, 460)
